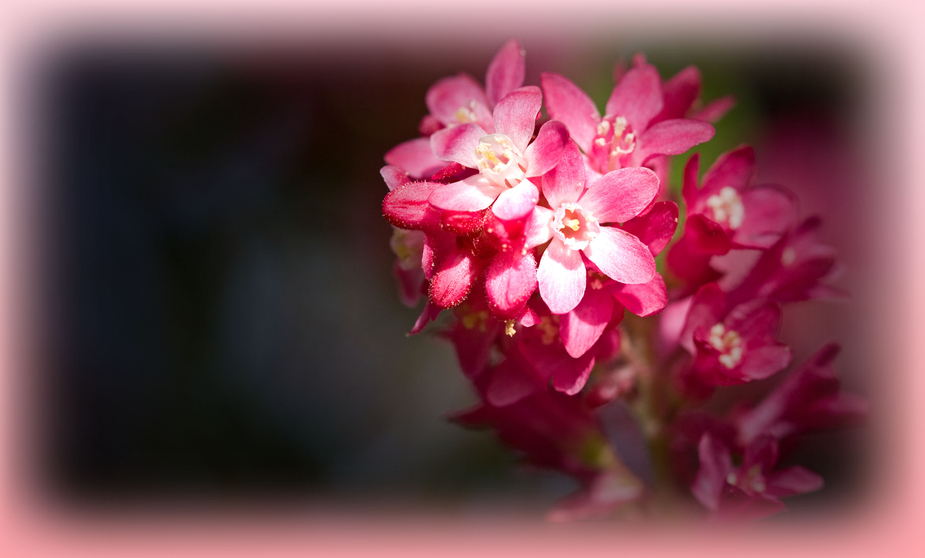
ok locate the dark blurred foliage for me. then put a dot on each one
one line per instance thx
(221, 320)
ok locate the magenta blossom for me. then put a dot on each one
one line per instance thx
(582, 224)
(753, 489)
(459, 100)
(506, 159)
(625, 135)
(732, 347)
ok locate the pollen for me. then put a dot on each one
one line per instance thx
(549, 326)
(509, 328)
(727, 207)
(728, 343)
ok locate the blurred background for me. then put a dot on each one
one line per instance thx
(219, 320)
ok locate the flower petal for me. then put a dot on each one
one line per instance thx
(415, 157)
(472, 194)
(715, 466)
(569, 104)
(734, 168)
(510, 382)
(643, 299)
(537, 229)
(621, 256)
(394, 176)
(637, 97)
(770, 211)
(583, 326)
(620, 195)
(715, 109)
(656, 227)
(566, 182)
(546, 150)
(515, 114)
(562, 277)
(679, 94)
(793, 480)
(505, 72)
(509, 282)
(450, 94)
(669, 137)
(514, 203)
(457, 144)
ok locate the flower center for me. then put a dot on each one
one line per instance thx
(613, 140)
(549, 328)
(575, 226)
(753, 480)
(727, 207)
(466, 114)
(500, 161)
(728, 343)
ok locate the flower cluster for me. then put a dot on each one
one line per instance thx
(538, 234)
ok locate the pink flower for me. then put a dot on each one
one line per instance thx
(506, 159)
(459, 100)
(753, 489)
(582, 224)
(735, 347)
(727, 212)
(625, 136)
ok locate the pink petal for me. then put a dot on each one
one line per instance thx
(516, 202)
(770, 212)
(689, 189)
(394, 176)
(656, 227)
(572, 375)
(755, 320)
(679, 94)
(715, 466)
(734, 168)
(566, 182)
(620, 195)
(546, 150)
(415, 157)
(451, 283)
(638, 97)
(621, 256)
(428, 314)
(510, 280)
(670, 137)
(761, 363)
(583, 326)
(450, 94)
(644, 299)
(515, 114)
(457, 144)
(715, 109)
(562, 277)
(505, 72)
(472, 194)
(793, 480)
(706, 235)
(410, 282)
(473, 346)
(569, 104)
(537, 229)
(511, 382)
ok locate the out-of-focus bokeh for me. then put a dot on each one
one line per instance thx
(220, 322)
